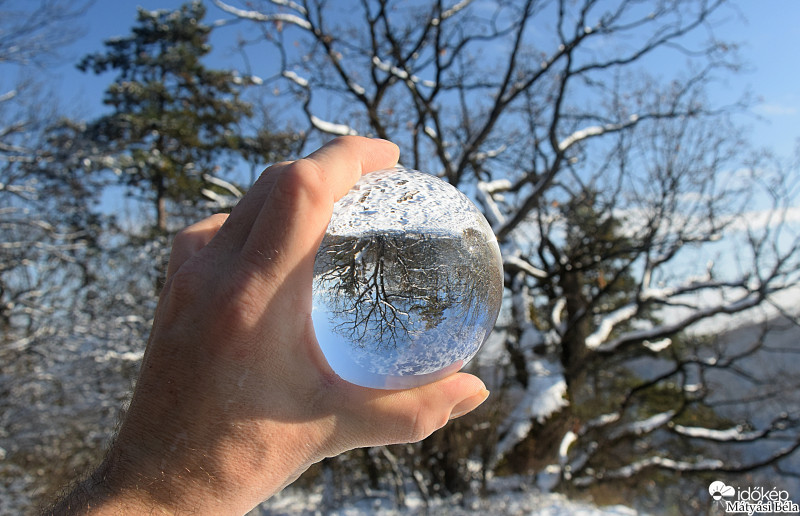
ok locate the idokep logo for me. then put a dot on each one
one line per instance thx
(718, 489)
(751, 500)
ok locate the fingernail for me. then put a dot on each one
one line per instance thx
(469, 404)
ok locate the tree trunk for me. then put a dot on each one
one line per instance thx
(574, 355)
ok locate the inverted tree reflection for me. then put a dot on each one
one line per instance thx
(385, 291)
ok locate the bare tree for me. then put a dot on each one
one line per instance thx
(41, 231)
(34, 35)
(585, 132)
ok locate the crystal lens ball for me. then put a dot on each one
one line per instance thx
(408, 281)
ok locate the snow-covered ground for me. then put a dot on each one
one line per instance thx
(507, 496)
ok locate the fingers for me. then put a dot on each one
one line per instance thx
(344, 160)
(298, 206)
(238, 226)
(192, 239)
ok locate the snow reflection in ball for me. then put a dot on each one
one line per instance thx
(408, 281)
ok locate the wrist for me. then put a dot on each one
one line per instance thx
(92, 495)
(227, 474)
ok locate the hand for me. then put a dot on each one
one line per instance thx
(234, 399)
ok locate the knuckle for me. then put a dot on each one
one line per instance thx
(186, 284)
(182, 237)
(420, 423)
(303, 181)
(199, 232)
(217, 220)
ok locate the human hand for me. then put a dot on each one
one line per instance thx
(234, 399)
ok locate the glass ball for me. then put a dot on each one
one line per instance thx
(408, 281)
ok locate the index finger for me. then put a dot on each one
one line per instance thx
(299, 205)
(343, 161)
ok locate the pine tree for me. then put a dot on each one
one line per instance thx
(173, 120)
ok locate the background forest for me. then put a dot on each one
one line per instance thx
(649, 333)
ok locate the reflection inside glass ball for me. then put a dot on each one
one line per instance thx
(408, 281)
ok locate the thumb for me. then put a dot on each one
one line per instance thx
(378, 417)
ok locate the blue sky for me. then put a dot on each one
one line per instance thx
(769, 33)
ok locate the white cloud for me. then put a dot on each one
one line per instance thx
(759, 219)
